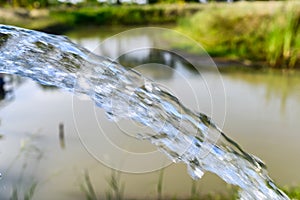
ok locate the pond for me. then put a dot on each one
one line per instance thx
(50, 141)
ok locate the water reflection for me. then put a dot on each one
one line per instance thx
(47, 87)
(19, 177)
(61, 135)
(100, 41)
(132, 49)
(145, 56)
(276, 84)
(2, 90)
(157, 56)
(8, 84)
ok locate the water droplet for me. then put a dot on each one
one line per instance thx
(148, 86)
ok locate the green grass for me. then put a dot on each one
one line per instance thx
(160, 184)
(293, 192)
(116, 187)
(127, 14)
(58, 19)
(87, 188)
(258, 31)
(116, 190)
(283, 44)
(262, 32)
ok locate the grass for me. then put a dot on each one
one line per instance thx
(160, 184)
(283, 45)
(29, 155)
(116, 190)
(87, 188)
(293, 192)
(258, 31)
(127, 14)
(28, 194)
(116, 187)
(58, 19)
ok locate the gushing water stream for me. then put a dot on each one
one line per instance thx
(183, 135)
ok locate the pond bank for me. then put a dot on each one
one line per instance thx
(60, 19)
(267, 32)
(243, 33)
(222, 63)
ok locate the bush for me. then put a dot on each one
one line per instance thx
(260, 31)
(127, 14)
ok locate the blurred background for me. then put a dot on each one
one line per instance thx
(254, 44)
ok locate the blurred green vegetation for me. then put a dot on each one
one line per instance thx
(116, 190)
(26, 3)
(83, 3)
(260, 31)
(266, 33)
(126, 14)
(293, 192)
(60, 18)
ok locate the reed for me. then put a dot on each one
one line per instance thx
(258, 31)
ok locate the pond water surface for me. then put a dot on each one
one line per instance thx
(46, 134)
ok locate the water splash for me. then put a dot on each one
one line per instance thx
(183, 135)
